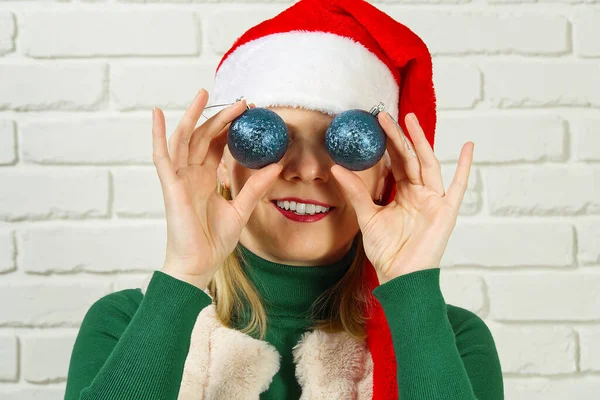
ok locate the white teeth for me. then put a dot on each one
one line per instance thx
(302, 208)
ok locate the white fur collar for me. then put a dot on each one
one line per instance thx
(226, 364)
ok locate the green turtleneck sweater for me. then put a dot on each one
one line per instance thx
(287, 292)
(134, 346)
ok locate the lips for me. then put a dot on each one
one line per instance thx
(302, 218)
(305, 201)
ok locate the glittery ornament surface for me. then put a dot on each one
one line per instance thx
(257, 138)
(355, 140)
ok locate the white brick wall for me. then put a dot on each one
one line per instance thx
(81, 211)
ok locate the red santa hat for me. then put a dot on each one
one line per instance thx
(333, 56)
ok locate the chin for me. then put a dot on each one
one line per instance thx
(306, 248)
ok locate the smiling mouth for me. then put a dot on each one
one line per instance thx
(303, 218)
(274, 202)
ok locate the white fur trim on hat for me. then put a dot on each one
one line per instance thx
(313, 70)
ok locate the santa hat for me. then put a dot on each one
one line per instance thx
(333, 56)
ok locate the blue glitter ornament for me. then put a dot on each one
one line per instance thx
(355, 139)
(257, 138)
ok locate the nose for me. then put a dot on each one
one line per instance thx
(307, 162)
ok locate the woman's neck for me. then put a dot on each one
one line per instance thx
(288, 290)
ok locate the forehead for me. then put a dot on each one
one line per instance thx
(299, 113)
(296, 117)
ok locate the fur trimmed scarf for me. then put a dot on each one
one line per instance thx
(226, 364)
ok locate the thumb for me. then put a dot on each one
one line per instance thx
(357, 193)
(254, 189)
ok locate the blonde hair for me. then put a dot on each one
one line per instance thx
(346, 300)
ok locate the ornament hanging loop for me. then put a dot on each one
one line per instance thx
(377, 109)
(226, 104)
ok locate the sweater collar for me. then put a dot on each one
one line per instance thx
(290, 290)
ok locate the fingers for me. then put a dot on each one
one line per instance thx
(181, 136)
(254, 189)
(204, 134)
(459, 184)
(217, 146)
(431, 172)
(160, 153)
(396, 161)
(424, 169)
(404, 163)
(357, 192)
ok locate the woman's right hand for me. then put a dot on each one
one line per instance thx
(203, 228)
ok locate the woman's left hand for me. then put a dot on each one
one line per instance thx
(411, 232)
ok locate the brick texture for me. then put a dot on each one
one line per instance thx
(81, 206)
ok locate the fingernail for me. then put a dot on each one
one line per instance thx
(199, 92)
(414, 117)
(153, 112)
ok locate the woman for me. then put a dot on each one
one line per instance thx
(254, 301)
